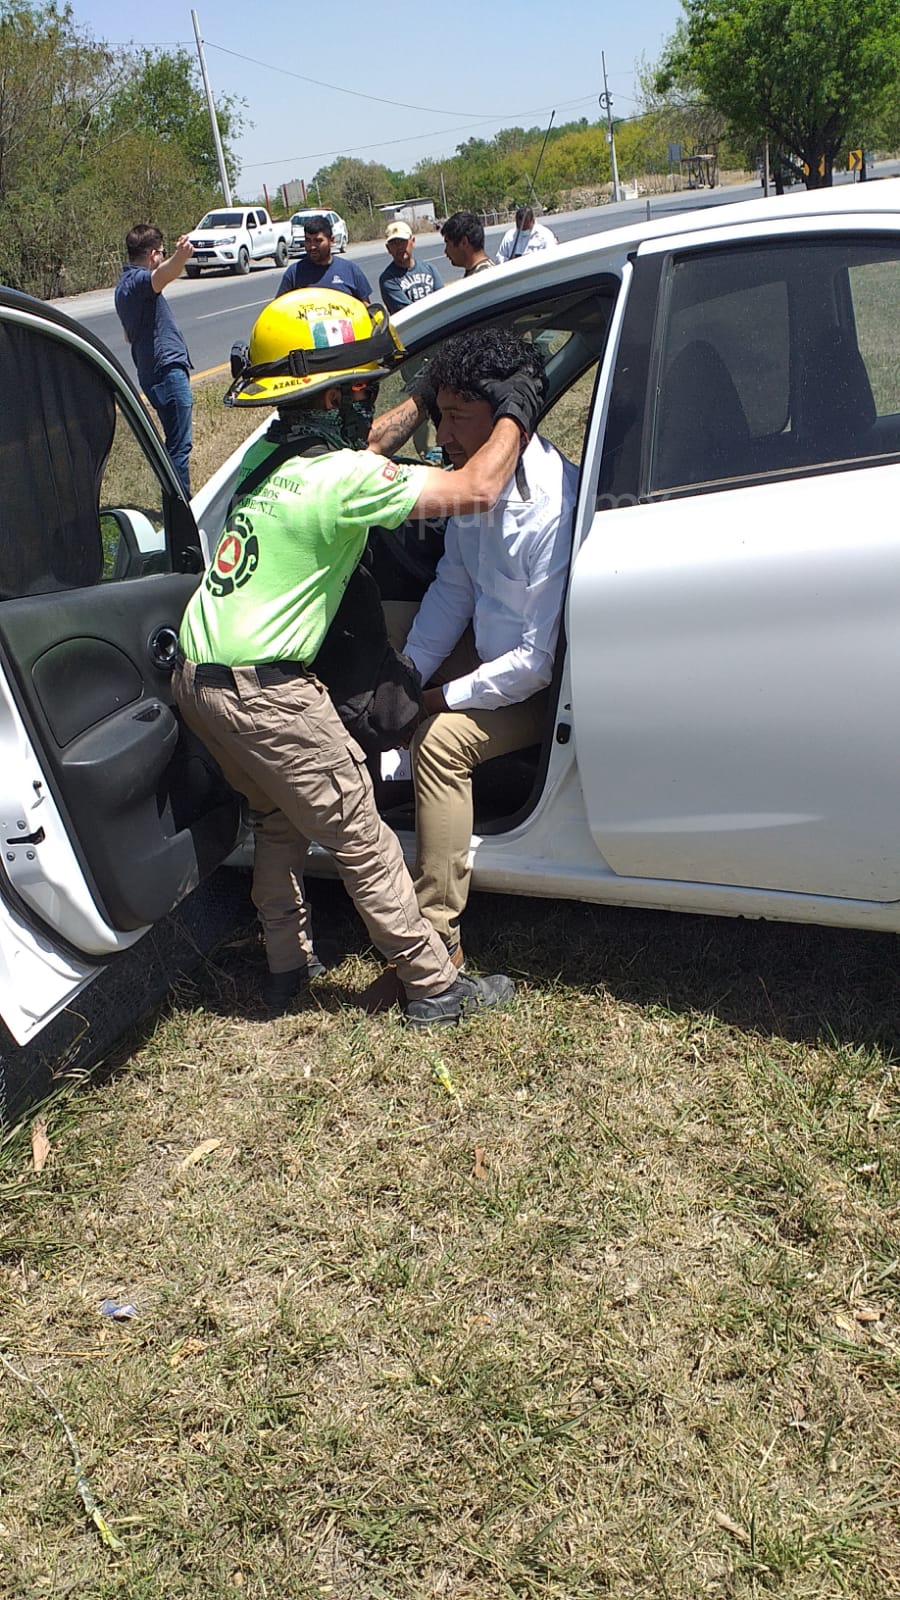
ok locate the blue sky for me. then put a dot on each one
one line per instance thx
(437, 75)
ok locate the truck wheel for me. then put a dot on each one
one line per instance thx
(281, 253)
(242, 265)
(192, 270)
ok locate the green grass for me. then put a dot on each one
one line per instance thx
(645, 1345)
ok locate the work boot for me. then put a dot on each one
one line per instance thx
(458, 958)
(282, 988)
(465, 996)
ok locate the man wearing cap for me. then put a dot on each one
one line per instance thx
(526, 237)
(318, 269)
(404, 279)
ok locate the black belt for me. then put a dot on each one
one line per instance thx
(210, 675)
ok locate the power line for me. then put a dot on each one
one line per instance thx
(409, 138)
(359, 94)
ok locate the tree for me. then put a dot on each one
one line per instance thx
(163, 97)
(54, 81)
(802, 73)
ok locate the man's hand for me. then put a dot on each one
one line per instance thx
(519, 397)
(170, 269)
(183, 250)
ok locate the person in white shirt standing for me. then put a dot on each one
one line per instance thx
(485, 635)
(526, 237)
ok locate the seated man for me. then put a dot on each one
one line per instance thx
(495, 603)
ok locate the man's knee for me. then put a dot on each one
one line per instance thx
(442, 747)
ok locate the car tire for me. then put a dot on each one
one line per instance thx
(242, 265)
(281, 254)
(192, 270)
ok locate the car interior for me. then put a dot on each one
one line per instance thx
(570, 329)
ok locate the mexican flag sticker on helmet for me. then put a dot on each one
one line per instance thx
(312, 339)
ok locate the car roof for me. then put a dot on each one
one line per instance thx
(422, 320)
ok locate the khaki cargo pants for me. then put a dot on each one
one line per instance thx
(305, 779)
(445, 751)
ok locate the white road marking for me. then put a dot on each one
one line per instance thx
(249, 305)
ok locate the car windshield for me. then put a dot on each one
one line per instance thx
(222, 219)
(301, 218)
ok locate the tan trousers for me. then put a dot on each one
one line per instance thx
(305, 778)
(445, 751)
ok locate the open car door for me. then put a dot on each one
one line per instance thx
(111, 812)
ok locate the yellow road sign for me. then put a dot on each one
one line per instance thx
(854, 161)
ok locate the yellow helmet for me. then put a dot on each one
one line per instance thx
(310, 339)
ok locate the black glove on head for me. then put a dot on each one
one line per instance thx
(519, 397)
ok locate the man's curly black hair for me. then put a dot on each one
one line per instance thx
(468, 360)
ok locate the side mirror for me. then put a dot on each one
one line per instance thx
(132, 546)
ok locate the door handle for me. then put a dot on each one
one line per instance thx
(164, 648)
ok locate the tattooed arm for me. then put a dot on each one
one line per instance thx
(391, 430)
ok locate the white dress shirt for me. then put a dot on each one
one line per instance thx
(505, 572)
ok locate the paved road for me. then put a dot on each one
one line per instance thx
(215, 310)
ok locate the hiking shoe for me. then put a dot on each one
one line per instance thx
(282, 988)
(462, 998)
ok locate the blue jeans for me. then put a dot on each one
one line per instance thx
(173, 403)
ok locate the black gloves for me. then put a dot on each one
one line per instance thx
(519, 397)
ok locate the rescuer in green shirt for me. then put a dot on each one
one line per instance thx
(245, 679)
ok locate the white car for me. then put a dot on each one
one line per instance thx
(340, 231)
(235, 237)
(722, 732)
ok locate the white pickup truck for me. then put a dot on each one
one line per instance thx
(236, 236)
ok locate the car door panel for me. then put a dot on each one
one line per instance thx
(98, 707)
(735, 677)
(111, 810)
(733, 643)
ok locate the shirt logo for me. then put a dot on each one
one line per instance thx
(390, 471)
(236, 557)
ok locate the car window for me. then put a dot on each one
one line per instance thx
(768, 360)
(570, 332)
(875, 292)
(67, 450)
(222, 219)
(132, 520)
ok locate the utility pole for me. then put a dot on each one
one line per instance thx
(444, 192)
(606, 105)
(220, 155)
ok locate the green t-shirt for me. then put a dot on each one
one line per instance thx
(287, 552)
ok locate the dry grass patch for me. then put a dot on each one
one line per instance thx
(614, 1313)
